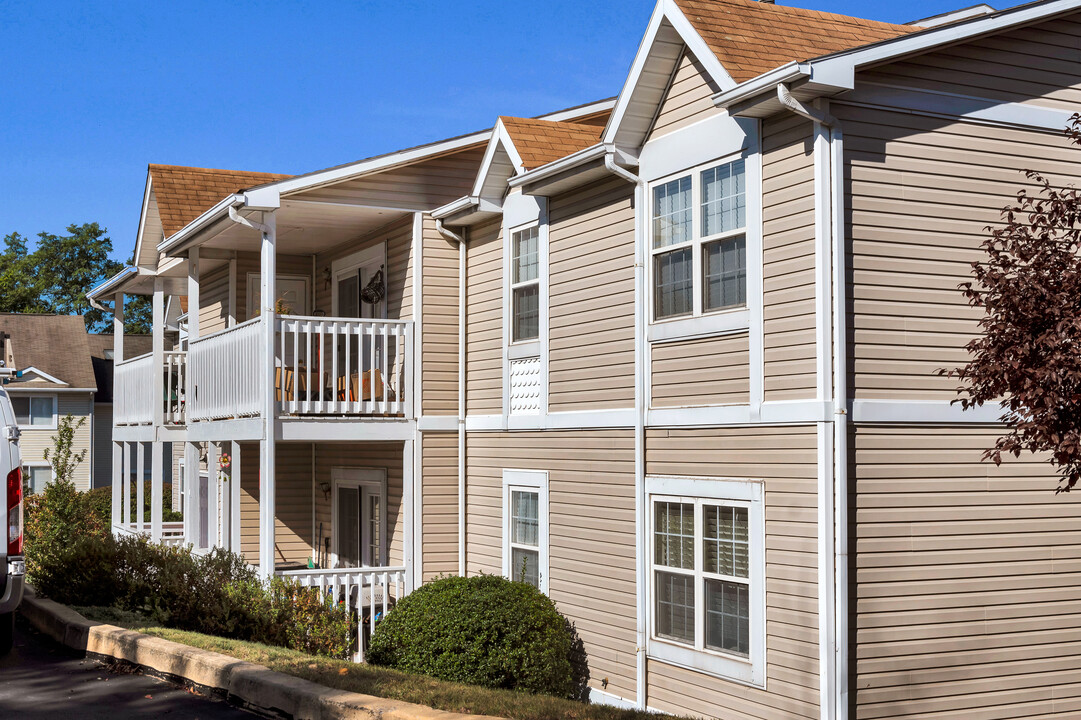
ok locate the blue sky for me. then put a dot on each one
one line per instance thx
(92, 92)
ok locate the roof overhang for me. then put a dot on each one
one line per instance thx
(573, 171)
(468, 210)
(832, 74)
(501, 162)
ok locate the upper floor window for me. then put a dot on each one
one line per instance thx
(525, 285)
(699, 241)
(34, 411)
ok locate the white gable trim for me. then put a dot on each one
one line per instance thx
(499, 143)
(665, 25)
(22, 374)
(142, 217)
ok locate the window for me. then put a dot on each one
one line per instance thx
(525, 285)
(34, 411)
(36, 477)
(699, 242)
(359, 517)
(707, 568)
(525, 527)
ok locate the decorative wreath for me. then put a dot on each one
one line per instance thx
(375, 290)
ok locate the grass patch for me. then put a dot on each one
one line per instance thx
(378, 681)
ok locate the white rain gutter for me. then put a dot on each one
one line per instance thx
(114, 282)
(445, 232)
(833, 496)
(640, 529)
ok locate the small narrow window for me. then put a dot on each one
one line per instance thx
(525, 531)
(525, 284)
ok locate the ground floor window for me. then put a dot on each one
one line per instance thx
(525, 527)
(707, 574)
(360, 512)
(36, 477)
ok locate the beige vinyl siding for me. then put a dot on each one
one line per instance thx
(382, 456)
(591, 298)
(709, 371)
(293, 502)
(967, 579)
(788, 269)
(103, 446)
(591, 533)
(214, 300)
(439, 488)
(439, 351)
(484, 320)
(34, 442)
(922, 192)
(398, 237)
(689, 97)
(249, 262)
(1035, 65)
(425, 184)
(785, 459)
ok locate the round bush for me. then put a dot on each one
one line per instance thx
(482, 630)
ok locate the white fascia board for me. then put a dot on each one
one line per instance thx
(665, 10)
(41, 374)
(454, 206)
(500, 140)
(837, 71)
(181, 237)
(569, 162)
(113, 284)
(142, 217)
(264, 197)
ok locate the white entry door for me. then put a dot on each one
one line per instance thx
(359, 511)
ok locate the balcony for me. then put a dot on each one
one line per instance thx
(133, 390)
(323, 367)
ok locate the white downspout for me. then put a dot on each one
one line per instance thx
(640, 529)
(461, 390)
(833, 632)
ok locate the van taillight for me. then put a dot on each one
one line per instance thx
(15, 512)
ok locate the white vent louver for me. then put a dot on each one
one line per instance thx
(525, 386)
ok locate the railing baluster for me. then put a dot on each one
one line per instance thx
(385, 364)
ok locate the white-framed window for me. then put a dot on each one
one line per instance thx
(359, 512)
(525, 284)
(36, 476)
(525, 527)
(707, 575)
(698, 244)
(35, 411)
(293, 294)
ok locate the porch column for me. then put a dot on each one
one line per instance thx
(118, 489)
(234, 494)
(191, 492)
(268, 293)
(126, 513)
(193, 294)
(212, 495)
(140, 474)
(118, 328)
(409, 547)
(155, 490)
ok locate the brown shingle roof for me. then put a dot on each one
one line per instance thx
(750, 37)
(185, 193)
(539, 142)
(55, 344)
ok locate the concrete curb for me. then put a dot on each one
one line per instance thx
(245, 684)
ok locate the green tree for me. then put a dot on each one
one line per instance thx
(20, 288)
(61, 456)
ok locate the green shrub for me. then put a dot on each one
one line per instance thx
(311, 621)
(55, 519)
(482, 630)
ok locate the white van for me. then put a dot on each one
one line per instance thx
(12, 563)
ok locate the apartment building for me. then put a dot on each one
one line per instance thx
(670, 357)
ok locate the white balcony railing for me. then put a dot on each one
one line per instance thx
(369, 592)
(224, 373)
(172, 533)
(341, 366)
(323, 366)
(133, 390)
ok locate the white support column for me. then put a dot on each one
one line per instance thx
(232, 291)
(126, 513)
(118, 489)
(118, 328)
(267, 447)
(234, 494)
(140, 486)
(156, 457)
(191, 492)
(158, 349)
(212, 515)
(409, 489)
(193, 294)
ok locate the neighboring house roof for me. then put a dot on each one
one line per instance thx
(55, 345)
(750, 37)
(134, 346)
(539, 142)
(184, 193)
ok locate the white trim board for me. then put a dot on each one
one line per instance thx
(529, 481)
